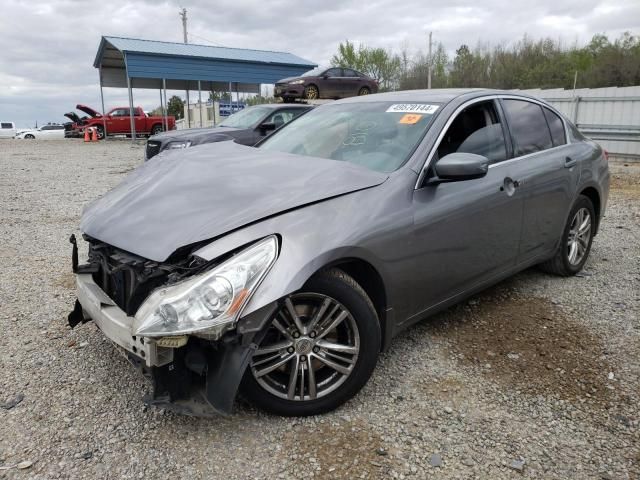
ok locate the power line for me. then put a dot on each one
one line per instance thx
(206, 40)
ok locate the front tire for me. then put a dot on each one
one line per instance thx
(156, 129)
(576, 240)
(100, 132)
(319, 350)
(311, 92)
(29, 137)
(364, 91)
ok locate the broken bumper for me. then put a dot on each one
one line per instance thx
(115, 324)
(200, 378)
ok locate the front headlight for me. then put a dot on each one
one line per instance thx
(296, 82)
(209, 303)
(177, 145)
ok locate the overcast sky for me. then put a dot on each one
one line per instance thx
(48, 47)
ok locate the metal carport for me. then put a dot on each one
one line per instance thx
(136, 63)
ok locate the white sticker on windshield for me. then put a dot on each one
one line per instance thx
(412, 108)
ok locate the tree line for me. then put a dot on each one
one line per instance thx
(529, 63)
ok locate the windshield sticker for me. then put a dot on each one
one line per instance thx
(412, 108)
(410, 119)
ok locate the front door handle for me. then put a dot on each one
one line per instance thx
(569, 162)
(509, 186)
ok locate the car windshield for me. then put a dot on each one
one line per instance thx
(315, 72)
(245, 118)
(378, 135)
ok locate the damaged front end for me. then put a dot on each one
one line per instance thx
(178, 321)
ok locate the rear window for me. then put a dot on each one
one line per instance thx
(6, 125)
(528, 127)
(556, 126)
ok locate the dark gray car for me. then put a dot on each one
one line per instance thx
(285, 269)
(246, 127)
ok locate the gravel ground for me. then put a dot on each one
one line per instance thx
(537, 377)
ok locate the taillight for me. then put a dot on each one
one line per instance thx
(606, 154)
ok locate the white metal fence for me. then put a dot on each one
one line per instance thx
(610, 116)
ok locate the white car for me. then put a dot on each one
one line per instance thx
(7, 129)
(46, 132)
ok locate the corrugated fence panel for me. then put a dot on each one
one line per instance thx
(611, 116)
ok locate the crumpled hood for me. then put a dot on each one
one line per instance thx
(209, 190)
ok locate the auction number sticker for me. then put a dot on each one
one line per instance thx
(412, 108)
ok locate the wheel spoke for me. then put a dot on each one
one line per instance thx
(584, 229)
(271, 368)
(281, 329)
(337, 321)
(294, 315)
(293, 377)
(336, 366)
(266, 360)
(338, 347)
(312, 380)
(573, 251)
(318, 316)
(275, 347)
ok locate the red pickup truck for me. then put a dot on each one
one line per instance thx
(119, 123)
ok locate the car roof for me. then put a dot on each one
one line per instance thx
(285, 105)
(435, 95)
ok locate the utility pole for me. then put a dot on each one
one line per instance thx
(429, 64)
(183, 15)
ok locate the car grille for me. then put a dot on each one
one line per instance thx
(153, 148)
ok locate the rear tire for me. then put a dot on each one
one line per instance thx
(302, 383)
(575, 244)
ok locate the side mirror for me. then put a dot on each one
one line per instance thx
(267, 127)
(462, 166)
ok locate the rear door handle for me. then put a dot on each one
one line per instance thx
(569, 162)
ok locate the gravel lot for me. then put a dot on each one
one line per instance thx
(538, 377)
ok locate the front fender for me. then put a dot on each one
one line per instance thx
(302, 253)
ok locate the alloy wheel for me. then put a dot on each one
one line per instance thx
(310, 349)
(312, 92)
(579, 236)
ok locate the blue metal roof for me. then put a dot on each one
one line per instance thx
(134, 45)
(147, 63)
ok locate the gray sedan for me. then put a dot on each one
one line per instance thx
(246, 127)
(284, 270)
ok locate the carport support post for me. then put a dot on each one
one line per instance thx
(188, 113)
(104, 118)
(200, 103)
(133, 123)
(162, 110)
(166, 107)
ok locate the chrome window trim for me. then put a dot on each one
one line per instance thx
(458, 110)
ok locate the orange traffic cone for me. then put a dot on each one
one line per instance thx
(94, 135)
(86, 135)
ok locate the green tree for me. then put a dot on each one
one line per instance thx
(175, 107)
(378, 63)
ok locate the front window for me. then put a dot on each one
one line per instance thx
(245, 118)
(316, 72)
(377, 135)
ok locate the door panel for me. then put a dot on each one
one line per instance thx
(548, 189)
(464, 233)
(548, 175)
